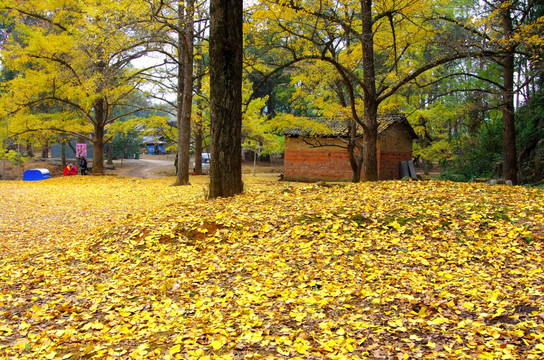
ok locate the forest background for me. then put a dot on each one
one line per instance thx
(467, 74)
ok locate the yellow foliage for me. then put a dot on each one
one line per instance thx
(112, 267)
(68, 55)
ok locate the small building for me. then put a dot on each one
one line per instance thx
(314, 158)
(155, 145)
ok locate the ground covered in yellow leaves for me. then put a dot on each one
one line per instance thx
(111, 267)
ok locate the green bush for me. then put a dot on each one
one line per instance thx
(475, 157)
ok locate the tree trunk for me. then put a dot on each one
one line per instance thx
(185, 90)
(226, 97)
(198, 147)
(110, 153)
(63, 153)
(200, 111)
(98, 141)
(370, 133)
(508, 124)
(370, 159)
(45, 150)
(29, 150)
(355, 160)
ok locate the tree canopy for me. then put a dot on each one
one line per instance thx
(455, 68)
(73, 66)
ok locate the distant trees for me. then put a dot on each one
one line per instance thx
(511, 33)
(509, 38)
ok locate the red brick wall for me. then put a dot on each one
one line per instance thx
(389, 164)
(306, 163)
(394, 146)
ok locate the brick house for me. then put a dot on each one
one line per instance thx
(313, 158)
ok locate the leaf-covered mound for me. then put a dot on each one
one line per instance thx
(134, 268)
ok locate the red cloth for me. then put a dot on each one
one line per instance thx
(73, 170)
(66, 170)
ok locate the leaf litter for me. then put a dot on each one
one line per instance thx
(116, 268)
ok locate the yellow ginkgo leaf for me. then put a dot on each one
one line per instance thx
(175, 349)
(216, 344)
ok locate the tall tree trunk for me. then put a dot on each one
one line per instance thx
(370, 134)
(508, 124)
(370, 150)
(185, 89)
(226, 97)
(200, 111)
(98, 141)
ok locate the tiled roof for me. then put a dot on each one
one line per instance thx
(340, 127)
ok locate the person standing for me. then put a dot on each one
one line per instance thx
(83, 165)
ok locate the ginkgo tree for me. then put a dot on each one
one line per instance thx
(322, 101)
(376, 47)
(75, 56)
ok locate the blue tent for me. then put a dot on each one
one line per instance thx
(36, 174)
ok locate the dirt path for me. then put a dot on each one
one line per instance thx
(143, 168)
